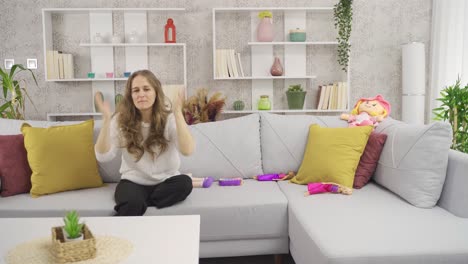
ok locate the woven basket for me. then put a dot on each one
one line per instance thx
(75, 250)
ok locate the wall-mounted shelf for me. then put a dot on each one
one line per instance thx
(255, 58)
(284, 111)
(305, 43)
(266, 77)
(88, 80)
(102, 58)
(132, 44)
(55, 116)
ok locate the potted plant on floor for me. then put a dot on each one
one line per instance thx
(454, 109)
(296, 96)
(12, 105)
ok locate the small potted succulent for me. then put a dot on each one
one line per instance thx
(73, 241)
(238, 105)
(296, 96)
(72, 230)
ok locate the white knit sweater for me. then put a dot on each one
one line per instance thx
(147, 171)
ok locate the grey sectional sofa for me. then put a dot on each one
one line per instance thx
(376, 224)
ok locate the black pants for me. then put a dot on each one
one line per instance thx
(132, 199)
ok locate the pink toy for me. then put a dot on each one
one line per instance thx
(368, 112)
(322, 187)
(231, 182)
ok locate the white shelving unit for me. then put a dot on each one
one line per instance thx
(294, 60)
(100, 21)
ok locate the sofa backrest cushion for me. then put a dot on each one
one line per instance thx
(225, 149)
(61, 158)
(413, 162)
(284, 139)
(109, 171)
(15, 173)
(369, 159)
(332, 154)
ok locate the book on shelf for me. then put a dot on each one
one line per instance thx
(228, 64)
(240, 64)
(333, 96)
(59, 65)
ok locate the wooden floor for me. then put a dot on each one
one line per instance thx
(266, 259)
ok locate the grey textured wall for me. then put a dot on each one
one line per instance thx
(379, 28)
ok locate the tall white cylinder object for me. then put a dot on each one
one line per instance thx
(413, 83)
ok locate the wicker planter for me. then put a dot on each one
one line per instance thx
(72, 251)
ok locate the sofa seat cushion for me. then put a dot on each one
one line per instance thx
(372, 225)
(252, 210)
(87, 202)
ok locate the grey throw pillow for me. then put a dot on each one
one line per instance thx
(228, 148)
(414, 160)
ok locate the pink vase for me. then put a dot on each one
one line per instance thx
(265, 30)
(276, 68)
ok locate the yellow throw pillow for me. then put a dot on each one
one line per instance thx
(332, 154)
(61, 158)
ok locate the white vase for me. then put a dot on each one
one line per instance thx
(67, 239)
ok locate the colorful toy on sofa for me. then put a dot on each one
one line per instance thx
(275, 176)
(202, 182)
(368, 111)
(230, 182)
(322, 187)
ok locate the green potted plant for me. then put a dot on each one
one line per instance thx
(73, 230)
(343, 14)
(296, 96)
(12, 105)
(454, 109)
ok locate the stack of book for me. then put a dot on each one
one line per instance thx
(228, 64)
(59, 65)
(333, 96)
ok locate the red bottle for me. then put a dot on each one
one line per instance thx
(170, 32)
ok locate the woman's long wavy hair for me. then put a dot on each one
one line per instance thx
(130, 119)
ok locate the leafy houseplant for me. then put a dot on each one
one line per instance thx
(343, 14)
(199, 108)
(12, 105)
(454, 108)
(296, 96)
(73, 228)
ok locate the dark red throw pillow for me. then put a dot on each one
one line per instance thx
(369, 159)
(15, 173)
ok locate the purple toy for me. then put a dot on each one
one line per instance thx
(230, 182)
(207, 182)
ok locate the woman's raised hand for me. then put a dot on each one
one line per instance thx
(103, 106)
(179, 100)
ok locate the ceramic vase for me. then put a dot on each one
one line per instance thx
(276, 68)
(265, 30)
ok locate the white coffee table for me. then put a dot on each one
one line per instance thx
(155, 239)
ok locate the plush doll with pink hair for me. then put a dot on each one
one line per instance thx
(368, 111)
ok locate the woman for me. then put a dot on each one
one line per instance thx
(150, 137)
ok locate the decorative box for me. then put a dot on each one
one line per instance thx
(297, 35)
(72, 251)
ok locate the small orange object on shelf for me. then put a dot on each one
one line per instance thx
(170, 32)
